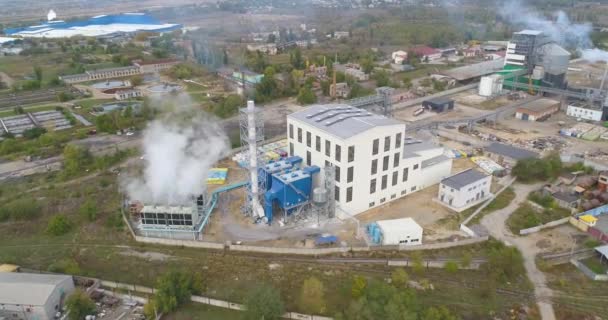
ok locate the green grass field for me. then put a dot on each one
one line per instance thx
(527, 217)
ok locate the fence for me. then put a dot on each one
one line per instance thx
(205, 300)
(544, 226)
(588, 272)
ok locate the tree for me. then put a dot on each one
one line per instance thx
(451, 267)
(34, 132)
(367, 65)
(137, 80)
(228, 107)
(417, 262)
(59, 225)
(325, 87)
(75, 159)
(504, 263)
(175, 288)
(306, 96)
(358, 286)
(296, 60)
(401, 306)
(89, 210)
(312, 297)
(382, 78)
(271, 38)
(263, 302)
(38, 73)
(399, 278)
(79, 305)
(18, 110)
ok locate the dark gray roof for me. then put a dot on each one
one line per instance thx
(475, 70)
(435, 160)
(439, 100)
(342, 120)
(463, 178)
(511, 151)
(412, 146)
(565, 196)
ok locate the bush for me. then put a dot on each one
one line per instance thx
(20, 209)
(80, 305)
(68, 266)
(312, 297)
(59, 225)
(546, 201)
(529, 170)
(451, 267)
(175, 288)
(115, 221)
(504, 263)
(34, 133)
(89, 210)
(263, 302)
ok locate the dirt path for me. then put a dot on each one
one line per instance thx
(495, 224)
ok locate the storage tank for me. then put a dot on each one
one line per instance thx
(319, 196)
(538, 73)
(490, 85)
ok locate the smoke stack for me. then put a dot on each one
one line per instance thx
(253, 160)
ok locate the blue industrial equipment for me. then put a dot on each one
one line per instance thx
(374, 233)
(326, 240)
(271, 168)
(289, 191)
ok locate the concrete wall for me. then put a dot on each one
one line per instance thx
(544, 226)
(588, 272)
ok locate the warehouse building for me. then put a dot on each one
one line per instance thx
(584, 111)
(537, 110)
(439, 105)
(25, 296)
(508, 155)
(464, 189)
(387, 164)
(403, 231)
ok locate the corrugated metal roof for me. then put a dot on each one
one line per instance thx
(433, 161)
(511, 151)
(475, 70)
(342, 120)
(28, 288)
(603, 250)
(463, 178)
(539, 105)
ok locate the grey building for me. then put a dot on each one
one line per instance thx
(464, 189)
(506, 154)
(27, 296)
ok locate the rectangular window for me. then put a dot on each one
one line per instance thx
(413, 188)
(415, 166)
(393, 196)
(396, 160)
(398, 140)
(374, 166)
(300, 135)
(385, 163)
(337, 193)
(382, 200)
(351, 153)
(384, 182)
(337, 174)
(308, 139)
(308, 158)
(371, 204)
(338, 153)
(395, 178)
(290, 131)
(318, 143)
(349, 174)
(375, 147)
(291, 149)
(372, 186)
(405, 174)
(387, 143)
(327, 148)
(349, 194)
(403, 192)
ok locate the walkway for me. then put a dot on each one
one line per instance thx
(495, 224)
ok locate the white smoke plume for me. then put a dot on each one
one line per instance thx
(560, 28)
(594, 55)
(179, 149)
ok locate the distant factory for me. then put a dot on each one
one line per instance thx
(97, 26)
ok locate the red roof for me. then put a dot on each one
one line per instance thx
(424, 50)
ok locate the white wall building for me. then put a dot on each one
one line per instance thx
(25, 296)
(375, 163)
(400, 232)
(399, 56)
(584, 113)
(464, 190)
(127, 94)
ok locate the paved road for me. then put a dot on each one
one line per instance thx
(495, 224)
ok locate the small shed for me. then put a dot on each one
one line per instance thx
(537, 110)
(403, 231)
(439, 104)
(588, 220)
(503, 152)
(566, 200)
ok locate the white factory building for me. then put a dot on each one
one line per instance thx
(374, 161)
(25, 296)
(403, 231)
(584, 112)
(464, 189)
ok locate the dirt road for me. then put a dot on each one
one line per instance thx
(495, 224)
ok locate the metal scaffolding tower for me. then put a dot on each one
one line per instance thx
(382, 98)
